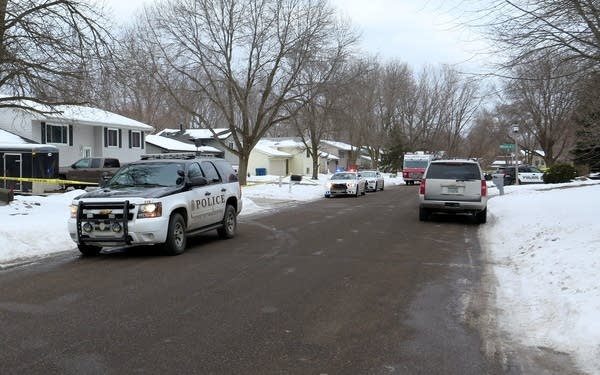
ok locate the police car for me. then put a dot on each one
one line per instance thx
(374, 180)
(527, 175)
(160, 199)
(345, 183)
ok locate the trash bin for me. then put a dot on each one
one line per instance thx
(498, 180)
(261, 171)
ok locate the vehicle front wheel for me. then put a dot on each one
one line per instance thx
(229, 227)
(89, 250)
(176, 239)
(382, 185)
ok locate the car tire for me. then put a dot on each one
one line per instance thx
(229, 226)
(327, 196)
(89, 250)
(176, 237)
(382, 185)
(481, 216)
(423, 214)
(364, 190)
(357, 192)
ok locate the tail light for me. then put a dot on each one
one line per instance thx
(422, 187)
(483, 188)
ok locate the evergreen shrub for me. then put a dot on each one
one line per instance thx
(560, 173)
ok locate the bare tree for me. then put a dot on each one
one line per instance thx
(544, 98)
(243, 58)
(43, 44)
(522, 29)
(459, 103)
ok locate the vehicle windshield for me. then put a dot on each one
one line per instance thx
(151, 174)
(344, 176)
(416, 163)
(368, 174)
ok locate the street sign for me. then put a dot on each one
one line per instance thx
(507, 146)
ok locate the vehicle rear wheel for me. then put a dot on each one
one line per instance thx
(89, 250)
(481, 216)
(176, 239)
(229, 223)
(423, 214)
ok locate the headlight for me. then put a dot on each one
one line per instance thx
(328, 185)
(73, 209)
(351, 184)
(150, 210)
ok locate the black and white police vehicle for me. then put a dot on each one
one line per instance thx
(160, 199)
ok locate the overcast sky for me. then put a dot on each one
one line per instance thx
(418, 32)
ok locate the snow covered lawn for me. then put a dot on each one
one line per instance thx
(544, 244)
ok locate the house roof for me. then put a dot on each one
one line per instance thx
(10, 138)
(175, 145)
(10, 141)
(76, 114)
(198, 133)
(268, 148)
(340, 145)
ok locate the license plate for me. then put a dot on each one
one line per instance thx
(452, 189)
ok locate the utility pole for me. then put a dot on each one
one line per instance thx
(515, 131)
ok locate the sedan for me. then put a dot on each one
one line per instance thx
(345, 183)
(374, 180)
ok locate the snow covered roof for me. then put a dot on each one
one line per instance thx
(10, 138)
(198, 133)
(76, 114)
(175, 145)
(268, 148)
(10, 141)
(328, 156)
(340, 145)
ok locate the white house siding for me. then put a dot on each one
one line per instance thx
(258, 160)
(297, 164)
(85, 132)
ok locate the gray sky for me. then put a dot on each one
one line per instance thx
(418, 32)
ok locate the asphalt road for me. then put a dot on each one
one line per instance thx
(337, 286)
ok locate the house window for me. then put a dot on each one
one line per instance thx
(57, 134)
(136, 139)
(341, 154)
(112, 137)
(307, 153)
(231, 145)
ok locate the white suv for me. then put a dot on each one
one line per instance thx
(160, 200)
(453, 186)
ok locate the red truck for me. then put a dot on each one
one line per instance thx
(414, 166)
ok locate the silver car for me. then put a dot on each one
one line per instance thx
(374, 180)
(453, 186)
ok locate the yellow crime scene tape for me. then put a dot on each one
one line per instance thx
(51, 181)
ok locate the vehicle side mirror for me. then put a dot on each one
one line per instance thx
(104, 179)
(487, 176)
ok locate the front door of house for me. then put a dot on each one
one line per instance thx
(12, 168)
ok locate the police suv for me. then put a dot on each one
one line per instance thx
(160, 199)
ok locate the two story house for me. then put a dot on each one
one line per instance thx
(78, 131)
